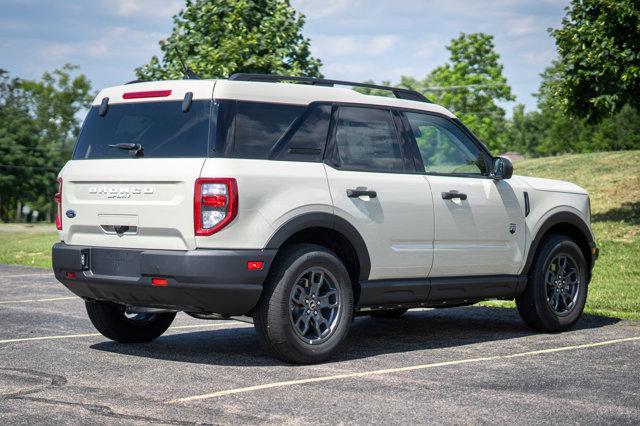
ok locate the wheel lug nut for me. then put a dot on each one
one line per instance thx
(308, 311)
(315, 312)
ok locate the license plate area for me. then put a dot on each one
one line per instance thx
(113, 262)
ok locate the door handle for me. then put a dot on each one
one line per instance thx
(359, 192)
(453, 194)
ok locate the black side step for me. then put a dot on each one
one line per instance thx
(439, 290)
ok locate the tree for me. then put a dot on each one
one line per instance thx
(525, 131)
(551, 131)
(220, 37)
(54, 103)
(38, 124)
(599, 67)
(471, 85)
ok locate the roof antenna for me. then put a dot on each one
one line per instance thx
(188, 72)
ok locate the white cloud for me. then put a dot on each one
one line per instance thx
(541, 57)
(348, 71)
(145, 8)
(60, 50)
(342, 45)
(117, 42)
(427, 49)
(523, 26)
(314, 9)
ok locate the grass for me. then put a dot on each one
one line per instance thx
(28, 245)
(612, 179)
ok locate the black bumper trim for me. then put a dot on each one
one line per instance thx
(200, 280)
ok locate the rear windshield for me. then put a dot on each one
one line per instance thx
(161, 128)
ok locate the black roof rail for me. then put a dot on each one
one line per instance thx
(399, 93)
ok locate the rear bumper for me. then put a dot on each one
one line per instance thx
(215, 281)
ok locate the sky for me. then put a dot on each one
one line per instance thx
(356, 40)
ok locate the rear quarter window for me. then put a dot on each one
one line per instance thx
(259, 125)
(307, 138)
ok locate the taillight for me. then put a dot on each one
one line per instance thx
(58, 200)
(215, 204)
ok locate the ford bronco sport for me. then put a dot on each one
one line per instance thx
(302, 204)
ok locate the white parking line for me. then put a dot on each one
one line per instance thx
(396, 370)
(74, 336)
(48, 274)
(52, 299)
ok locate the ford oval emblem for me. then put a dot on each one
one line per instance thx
(71, 214)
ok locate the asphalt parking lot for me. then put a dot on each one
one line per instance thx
(463, 365)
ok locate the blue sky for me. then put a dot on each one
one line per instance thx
(356, 39)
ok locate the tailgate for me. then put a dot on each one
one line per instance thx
(144, 203)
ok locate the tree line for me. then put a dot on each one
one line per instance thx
(39, 122)
(588, 99)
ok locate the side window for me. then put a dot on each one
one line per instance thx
(366, 139)
(444, 147)
(308, 141)
(259, 125)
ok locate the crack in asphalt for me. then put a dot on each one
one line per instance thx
(106, 411)
(56, 381)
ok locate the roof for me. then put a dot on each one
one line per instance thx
(289, 93)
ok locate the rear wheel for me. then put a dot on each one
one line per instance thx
(306, 307)
(557, 290)
(113, 322)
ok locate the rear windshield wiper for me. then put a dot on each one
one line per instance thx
(135, 148)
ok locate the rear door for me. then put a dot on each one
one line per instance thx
(114, 195)
(374, 187)
(479, 223)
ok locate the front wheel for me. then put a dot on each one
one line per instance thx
(114, 323)
(557, 289)
(306, 307)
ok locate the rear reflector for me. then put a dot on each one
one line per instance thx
(70, 275)
(58, 200)
(160, 282)
(255, 265)
(147, 94)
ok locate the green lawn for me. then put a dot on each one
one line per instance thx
(613, 180)
(28, 245)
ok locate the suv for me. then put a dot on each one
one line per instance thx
(301, 204)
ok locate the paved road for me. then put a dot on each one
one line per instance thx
(464, 365)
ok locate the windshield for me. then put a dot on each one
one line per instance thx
(161, 129)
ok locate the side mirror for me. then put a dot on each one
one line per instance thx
(502, 168)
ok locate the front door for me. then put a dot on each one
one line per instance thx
(479, 223)
(374, 186)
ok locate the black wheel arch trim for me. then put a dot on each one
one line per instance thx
(558, 219)
(325, 220)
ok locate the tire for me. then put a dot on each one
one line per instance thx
(110, 320)
(286, 299)
(537, 304)
(389, 313)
